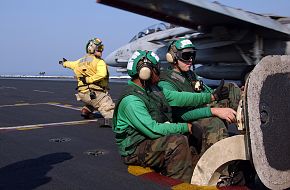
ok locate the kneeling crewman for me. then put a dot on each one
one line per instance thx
(93, 78)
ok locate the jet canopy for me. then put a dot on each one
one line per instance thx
(152, 29)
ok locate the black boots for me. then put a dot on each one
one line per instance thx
(105, 122)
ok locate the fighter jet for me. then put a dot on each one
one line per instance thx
(154, 38)
(229, 41)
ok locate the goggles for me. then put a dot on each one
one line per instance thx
(186, 56)
(100, 47)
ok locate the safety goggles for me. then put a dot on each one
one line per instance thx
(100, 47)
(186, 56)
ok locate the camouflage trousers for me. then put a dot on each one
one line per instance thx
(102, 103)
(233, 100)
(205, 132)
(208, 131)
(170, 155)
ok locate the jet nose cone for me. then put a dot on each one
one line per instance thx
(117, 58)
(111, 59)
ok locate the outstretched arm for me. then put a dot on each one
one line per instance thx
(181, 99)
(133, 112)
(69, 64)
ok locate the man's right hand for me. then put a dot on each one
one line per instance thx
(189, 125)
(225, 113)
(221, 92)
(61, 61)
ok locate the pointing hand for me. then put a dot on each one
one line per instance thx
(61, 61)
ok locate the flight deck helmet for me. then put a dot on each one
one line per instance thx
(93, 45)
(142, 63)
(180, 49)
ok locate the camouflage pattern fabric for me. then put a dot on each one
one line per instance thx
(213, 130)
(208, 131)
(234, 97)
(170, 155)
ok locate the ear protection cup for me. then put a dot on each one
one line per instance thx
(144, 71)
(170, 57)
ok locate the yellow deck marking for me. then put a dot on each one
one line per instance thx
(29, 128)
(64, 106)
(22, 104)
(53, 103)
(43, 91)
(138, 170)
(49, 124)
(68, 106)
(187, 186)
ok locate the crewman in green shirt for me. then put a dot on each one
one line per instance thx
(142, 121)
(179, 77)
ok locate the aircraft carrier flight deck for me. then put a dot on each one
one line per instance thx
(45, 144)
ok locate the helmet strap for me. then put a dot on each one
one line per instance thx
(98, 54)
(176, 66)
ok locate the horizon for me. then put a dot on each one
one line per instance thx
(35, 34)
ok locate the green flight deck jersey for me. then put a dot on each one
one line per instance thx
(175, 81)
(139, 116)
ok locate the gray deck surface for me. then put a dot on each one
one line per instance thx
(43, 147)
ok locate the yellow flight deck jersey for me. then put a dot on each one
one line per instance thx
(94, 69)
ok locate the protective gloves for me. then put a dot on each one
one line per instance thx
(61, 61)
(221, 92)
(83, 79)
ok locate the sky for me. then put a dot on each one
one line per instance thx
(36, 34)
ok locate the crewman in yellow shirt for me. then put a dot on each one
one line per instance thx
(93, 77)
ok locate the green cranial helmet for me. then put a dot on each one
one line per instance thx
(183, 43)
(180, 49)
(141, 59)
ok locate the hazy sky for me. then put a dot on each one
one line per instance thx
(35, 34)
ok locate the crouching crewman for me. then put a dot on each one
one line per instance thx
(142, 122)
